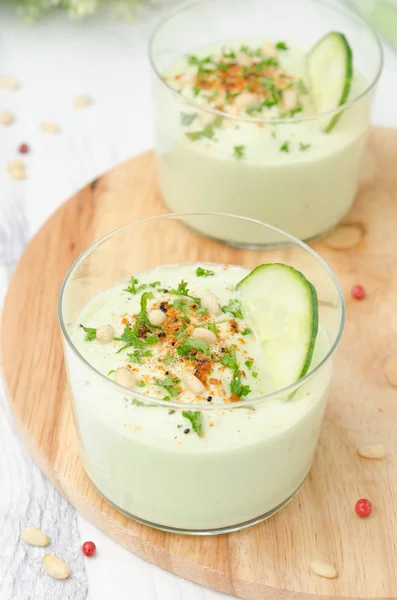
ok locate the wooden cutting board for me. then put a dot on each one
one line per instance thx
(270, 560)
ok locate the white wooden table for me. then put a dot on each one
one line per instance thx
(55, 61)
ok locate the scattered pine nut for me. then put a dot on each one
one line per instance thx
(323, 569)
(344, 237)
(373, 451)
(105, 334)
(83, 101)
(6, 118)
(34, 536)
(8, 82)
(16, 169)
(50, 127)
(56, 567)
(390, 369)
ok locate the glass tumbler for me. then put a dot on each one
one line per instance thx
(132, 445)
(293, 174)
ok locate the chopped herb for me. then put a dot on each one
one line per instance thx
(191, 344)
(187, 119)
(155, 284)
(230, 95)
(142, 319)
(284, 147)
(139, 403)
(194, 60)
(130, 338)
(182, 290)
(141, 383)
(272, 62)
(249, 363)
(133, 288)
(227, 53)
(200, 272)
(260, 66)
(195, 418)
(167, 398)
(234, 308)
(170, 384)
(302, 89)
(246, 331)
(267, 82)
(137, 355)
(295, 111)
(245, 50)
(111, 371)
(180, 304)
(222, 66)
(169, 359)
(218, 122)
(207, 132)
(90, 333)
(196, 91)
(255, 375)
(229, 359)
(202, 311)
(303, 147)
(211, 327)
(281, 46)
(181, 333)
(239, 151)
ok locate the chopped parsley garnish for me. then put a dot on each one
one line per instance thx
(266, 62)
(200, 272)
(187, 119)
(249, 363)
(180, 304)
(230, 95)
(138, 354)
(239, 151)
(141, 383)
(229, 359)
(246, 331)
(110, 372)
(131, 337)
(155, 284)
(194, 416)
(295, 111)
(181, 333)
(234, 308)
(196, 91)
(302, 89)
(142, 319)
(199, 62)
(207, 132)
(255, 375)
(169, 359)
(170, 384)
(133, 287)
(227, 53)
(303, 147)
(182, 290)
(192, 344)
(211, 327)
(267, 82)
(202, 311)
(284, 147)
(90, 333)
(281, 46)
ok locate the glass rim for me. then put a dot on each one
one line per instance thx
(351, 14)
(179, 405)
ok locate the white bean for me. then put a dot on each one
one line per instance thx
(34, 536)
(210, 301)
(104, 334)
(373, 451)
(205, 335)
(245, 100)
(289, 99)
(125, 377)
(156, 316)
(192, 383)
(323, 569)
(56, 567)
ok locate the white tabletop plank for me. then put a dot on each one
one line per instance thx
(55, 61)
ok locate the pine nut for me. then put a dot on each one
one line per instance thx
(374, 451)
(323, 569)
(56, 567)
(156, 316)
(205, 335)
(125, 377)
(50, 127)
(192, 383)
(210, 301)
(6, 118)
(34, 536)
(105, 334)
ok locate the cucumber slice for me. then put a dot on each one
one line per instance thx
(330, 71)
(283, 307)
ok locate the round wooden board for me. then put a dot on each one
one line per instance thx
(270, 560)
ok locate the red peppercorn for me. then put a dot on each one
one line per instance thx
(358, 292)
(88, 548)
(363, 507)
(23, 149)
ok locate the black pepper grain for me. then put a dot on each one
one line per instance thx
(209, 399)
(163, 307)
(186, 430)
(161, 334)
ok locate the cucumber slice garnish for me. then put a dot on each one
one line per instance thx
(283, 306)
(330, 71)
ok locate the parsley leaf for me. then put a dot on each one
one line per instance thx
(227, 53)
(137, 355)
(170, 384)
(195, 418)
(246, 331)
(133, 288)
(237, 388)
(200, 272)
(130, 338)
(267, 82)
(182, 290)
(196, 91)
(207, 132)
(142, 319)
(239, 151)
(249, 363)
(111, 371)
(285, 147)
(234, 308)
(155, 284)
(281, 46)
(210, 326)
(202, 311)
(229, 359)
(187, 118)
(90, 333)
(169, 359)
(189, 344)
(303, 147)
